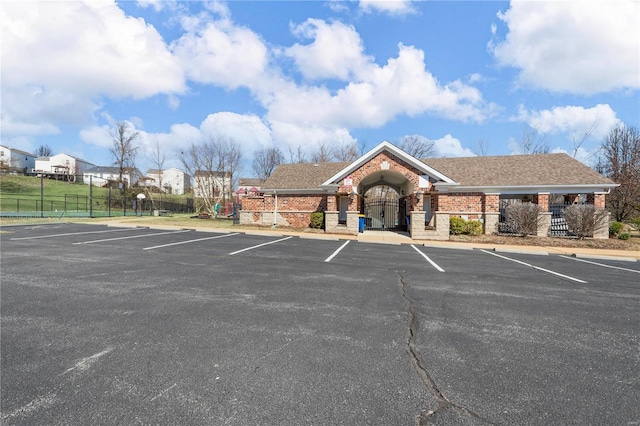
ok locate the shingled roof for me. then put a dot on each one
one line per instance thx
(496, 171)
(518, 170)
(302, 175)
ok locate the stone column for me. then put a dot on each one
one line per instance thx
(544, 224)
(602, 229)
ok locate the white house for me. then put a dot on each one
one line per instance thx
(100, 175)
(172, 181)
(212, 184)
(15, 160)
(61, 164)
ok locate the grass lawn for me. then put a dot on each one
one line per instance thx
(22, 194)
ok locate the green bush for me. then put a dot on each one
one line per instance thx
(317, 220)
(624, 236)
(457, 225)
(615, 228)
(474, 227)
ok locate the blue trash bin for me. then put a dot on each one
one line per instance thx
(361, 223)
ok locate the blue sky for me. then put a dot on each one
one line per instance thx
(305, 73)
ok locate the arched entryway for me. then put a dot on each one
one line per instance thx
(384, 200)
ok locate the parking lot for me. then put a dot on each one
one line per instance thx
(107, 325)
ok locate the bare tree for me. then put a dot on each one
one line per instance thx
(323, 154)
(201, 162)
(266, 160)
(482, 148)
(214, 166)
(297, 155)
(532, 142)
(620, 162)
(125, 147)
(346, 152)
(43, 151)
(157, 157)
(417, 146)
(230, 154)
(579, 138)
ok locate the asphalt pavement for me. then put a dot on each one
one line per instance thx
(113, 325)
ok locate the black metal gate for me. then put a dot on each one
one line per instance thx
(382, 215)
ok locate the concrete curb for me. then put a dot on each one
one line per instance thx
(318, 237)
(521, 251)
(262, 233)
(603, 257)
(440, 246)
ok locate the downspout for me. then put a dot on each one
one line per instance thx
(275, 209)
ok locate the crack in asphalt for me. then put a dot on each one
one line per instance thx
(411, 334)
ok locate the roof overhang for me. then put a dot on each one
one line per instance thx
(527, 189)
(282, 191)
(386, 146)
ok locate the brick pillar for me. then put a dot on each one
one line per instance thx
(597, 199)
(491, 210)
(331, 203)
(542, 199)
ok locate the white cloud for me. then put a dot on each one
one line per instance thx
(402, 86)
(336, 51)
(448, 146)
(308, 137)
(248, 131)
(571, 120)
(59, 57)
(392, 7)
(218, 52)
(97, 136)
(573, 47)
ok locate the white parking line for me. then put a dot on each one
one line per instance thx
(259, 245)
(133, 236)
(74, 233)
(434, 264)
(328, 259)
(600, 264)
(535, 267)
(190, 241)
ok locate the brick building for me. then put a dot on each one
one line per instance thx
(392, 190)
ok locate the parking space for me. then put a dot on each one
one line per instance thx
(103, 325)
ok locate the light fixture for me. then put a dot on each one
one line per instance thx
(419, 195)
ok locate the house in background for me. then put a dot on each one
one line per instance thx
(213, 185)
(426, 192)
(170, 181)
(248, 186)
(61, 165)
(101, 175)
(14, 160)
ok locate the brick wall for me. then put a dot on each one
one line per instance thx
(293, 210)
(395, 165)
(462, 202)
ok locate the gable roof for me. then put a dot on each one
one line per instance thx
(388, 147)
(518, 170)
(17, 151)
